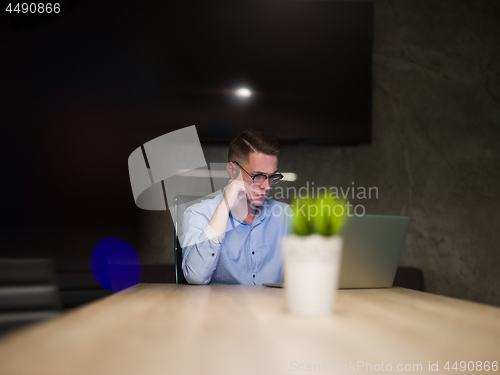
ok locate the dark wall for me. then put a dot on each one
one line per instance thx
(436, 131)
(436, 117)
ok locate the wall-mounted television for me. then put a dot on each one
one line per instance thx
(298, 69)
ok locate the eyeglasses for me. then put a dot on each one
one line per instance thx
(260, 178)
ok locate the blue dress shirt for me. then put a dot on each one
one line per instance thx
(246, 254)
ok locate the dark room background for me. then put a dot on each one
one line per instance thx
(71, 116)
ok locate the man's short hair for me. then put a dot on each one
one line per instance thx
(252, 140)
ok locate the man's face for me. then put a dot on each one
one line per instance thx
(258, 163)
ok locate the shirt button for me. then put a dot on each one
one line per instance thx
(253, 275)
(253, 252)
(213, 254)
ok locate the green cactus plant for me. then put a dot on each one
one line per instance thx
(323, 215)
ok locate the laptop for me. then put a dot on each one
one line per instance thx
(371, 251)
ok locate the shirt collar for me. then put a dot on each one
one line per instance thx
(260, 214)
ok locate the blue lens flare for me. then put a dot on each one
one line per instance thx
(115, 264)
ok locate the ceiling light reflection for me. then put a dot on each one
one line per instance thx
(243, 92)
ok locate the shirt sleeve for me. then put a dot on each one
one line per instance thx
(200, 247)
(213, 235)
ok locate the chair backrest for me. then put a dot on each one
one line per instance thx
(181, 203)
(28, 292)
(410, 278)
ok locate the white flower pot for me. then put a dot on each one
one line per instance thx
(311, 273)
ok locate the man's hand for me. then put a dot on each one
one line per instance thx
(235, 192)
(235, 200)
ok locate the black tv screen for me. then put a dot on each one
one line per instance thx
(305, 64)
(166, 65)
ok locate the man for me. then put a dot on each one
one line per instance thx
(234, 238)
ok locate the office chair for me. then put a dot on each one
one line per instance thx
(28, 292)
(77, 285)
(410, 278)
(181, 202)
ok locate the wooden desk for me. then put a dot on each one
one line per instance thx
(183, 329)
